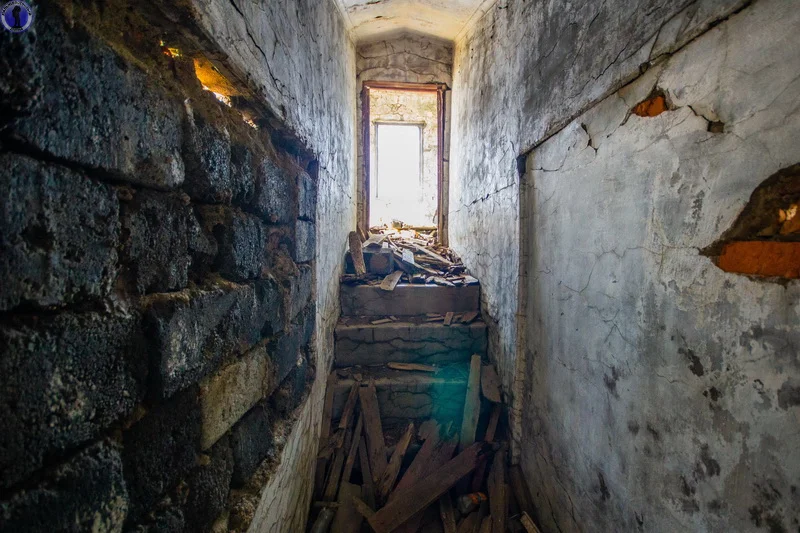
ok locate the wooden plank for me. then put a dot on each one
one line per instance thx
(439, 456)
(486, 525)
(351, 456)
(349, 406)
(491, 428)
(347, 519)
(391, 281)
(498, 501)
(447, 513)
(494, 418)
(373, 430)
(389, 477)
(448, 318)
(357, 254)
(528, 524)
(419, 496)
(381, 321)
(471, 523)
(432, 254)
(472, 403)
(490, 384)
(469, 317)
(520, 488)
(420, 465)
(412, 367)
(362, 234)
(368, 489)
(363, 508)
(322, 462)
(335, 476)
(408, 257)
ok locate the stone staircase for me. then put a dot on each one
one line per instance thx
(362, 349)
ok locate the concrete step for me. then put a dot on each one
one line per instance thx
(409, 340)
(404, 395)
(408, 300)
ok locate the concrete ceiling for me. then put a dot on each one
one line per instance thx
(372, 19)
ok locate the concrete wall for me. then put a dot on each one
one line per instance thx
(662, 391)
(520, 74)
(165, 337)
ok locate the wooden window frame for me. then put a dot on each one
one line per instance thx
(366, 134)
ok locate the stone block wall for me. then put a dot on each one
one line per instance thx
(158, 301)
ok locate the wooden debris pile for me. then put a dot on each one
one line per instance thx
(388, 256)
(434, 478)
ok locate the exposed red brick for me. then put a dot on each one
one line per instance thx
(651, 107)
(761, 258)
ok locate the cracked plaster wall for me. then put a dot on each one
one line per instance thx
(520, 74)
(299, 57)
(661, 389)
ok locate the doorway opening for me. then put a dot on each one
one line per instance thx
(403, 141)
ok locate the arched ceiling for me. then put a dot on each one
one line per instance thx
(371, 19)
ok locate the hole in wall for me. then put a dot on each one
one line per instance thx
(653, 105)
(764, 240)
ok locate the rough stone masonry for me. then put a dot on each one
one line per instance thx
(157, 265)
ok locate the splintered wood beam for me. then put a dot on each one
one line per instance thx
(349, 406)
(421, 463)
(335, 476)
(419, 496)
(373, 430)
(347, 518)
(472, 403)
(436, 256)
(448, 318)
(387, 481)
(447, 513)
(357, 254)
(498, 499)
(490, 384)
(351, 456)
(391, 281)
(368, 489)
(440, 455)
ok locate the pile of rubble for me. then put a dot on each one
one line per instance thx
(436, 477)
(388, 256)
